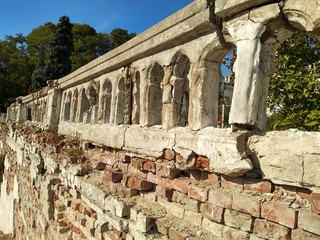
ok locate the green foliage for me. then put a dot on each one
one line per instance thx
(15, 69)
(294, 98)
(49, 52)
(120, 36)
(88, 45)
(60, 50)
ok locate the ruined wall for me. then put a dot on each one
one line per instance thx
(126, 147)
(65, 188)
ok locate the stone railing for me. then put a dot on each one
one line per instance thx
(150, 109)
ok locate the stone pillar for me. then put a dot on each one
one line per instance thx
(204, 95)
(54, 107)
(253, 67)
(22, 113)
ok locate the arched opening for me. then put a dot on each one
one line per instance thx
(135, 103)
(74, 106)
(156, 75)
(67, 107)
(106, 102)
(84, 107)
(120, 102)
(176, 92)
(204, 87)
(294, 89)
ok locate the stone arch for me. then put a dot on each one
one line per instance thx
(155, 76)
(105, 102)
(135, 108)
(204, 88)
(120, 101)
(176, 92)
(84, 106)
(74, 105)
(67, 106)
(92, 93)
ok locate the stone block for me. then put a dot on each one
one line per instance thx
(177, 235)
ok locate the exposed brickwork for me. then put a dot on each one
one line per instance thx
(133, 198)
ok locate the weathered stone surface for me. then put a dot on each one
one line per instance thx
(287, 157)
(303, 16)
(227, 9)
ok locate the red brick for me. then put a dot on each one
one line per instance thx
(238, 220)
(197, 192)
(260, 186)
(113, 176)
(315, 202)
(265, 229)
(299, 234)
(122, 191)
(168, 154)
(149, 166)
(232, 183)
(220, 198)
(175, 235)
(210, 178)
(304, 193)
(101, 166)
(163, 192)
(136, 172)
(167, 169)
(246, 204)
(123, 166)
(202, 162)
(212, 212)
(279, 214)
(309, 221)
(234, 234)
(137, 163)
(181, 185)
(139, 184)
(152, 178)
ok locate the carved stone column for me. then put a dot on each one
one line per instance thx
(54, 107)
(253, 67)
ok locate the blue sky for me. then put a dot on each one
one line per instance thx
(21, 16)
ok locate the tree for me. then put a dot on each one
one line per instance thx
(88, 44)
(60, 50)
(15, 69)
(120, 36)
(38, 42)
(294, 98)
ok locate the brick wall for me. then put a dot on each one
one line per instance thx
(105, 193)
